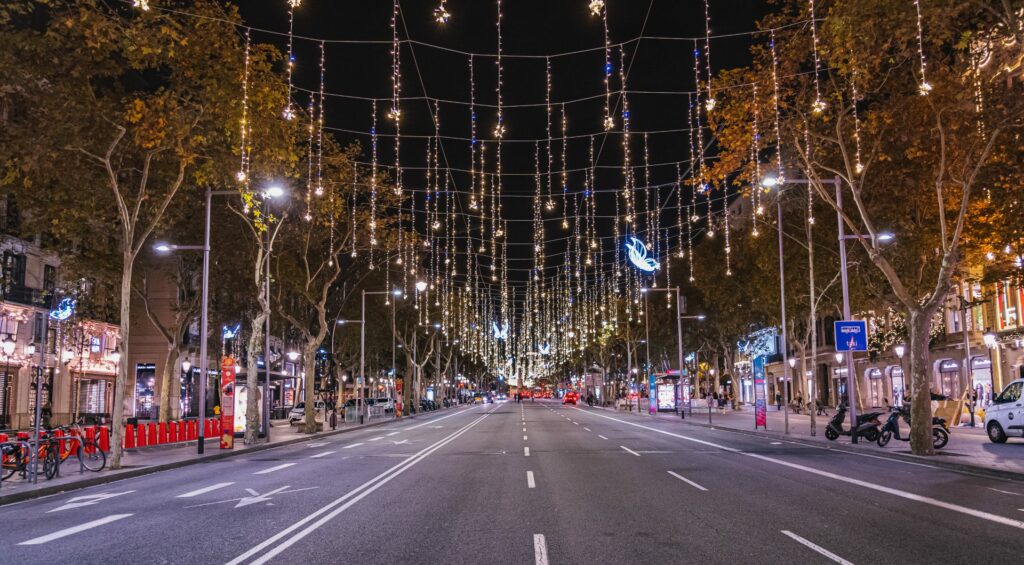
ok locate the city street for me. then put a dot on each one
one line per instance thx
(536, 482)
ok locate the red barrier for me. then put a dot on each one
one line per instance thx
(208, 428)
(104, 439)
(143, 439)
(173, 432)
(153, 439)
(193, 430)
(162, 426)
(129, 437)
(90, 435)
(3, 438)
(215, 427)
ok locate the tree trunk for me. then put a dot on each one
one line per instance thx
(252, 410)
(166, 411)
(920, 323)
(121, 381)
(309, 364)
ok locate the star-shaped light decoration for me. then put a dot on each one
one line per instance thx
(596, 7)
(441, 14)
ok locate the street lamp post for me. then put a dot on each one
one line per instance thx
(900, 351)
(782, 306)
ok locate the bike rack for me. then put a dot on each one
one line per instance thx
(81, 447)
(32, 459)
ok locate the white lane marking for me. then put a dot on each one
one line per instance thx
(887, 490)
(586, 428)
(319, 455)
(88, 500)
(428, 422)
(257, 497)
(577, 423)
(321, 444)
(352, 445)
(601, 436)
(204, 490)
(74, 530)
(272, 469)
(629, 450)
(524, 438)
(776, 443)
(399, 442)
(1004, 491)
(356, 494)
(524, 428)
(529, 480)
(687, 481)
(526, 451)
(394, 434)
(816, 547)
(376, 438)
(540, 549)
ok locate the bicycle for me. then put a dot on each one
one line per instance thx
(18, 458)
(89, 454)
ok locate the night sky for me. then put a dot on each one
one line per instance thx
(660, 72)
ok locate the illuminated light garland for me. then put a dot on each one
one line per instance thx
(596, 7)
(473, 204)
(355, 183)
(565, 170)
(499, 128)
(441, 14)
(320, 127)
(725, 213)
(709, 104)
(689, 241)
(289, 110)
(693, 157)
(373, 179)
(396, 78)
(242, 175)
(627, 170)
(779, 174)
(819, 105)
(979, 96)
(755, 157)
(702, 187)
(310, 158)
(550, 205)
(858, 166)
(924, 88)
(679, 206)
(609, 121)
(141, 4)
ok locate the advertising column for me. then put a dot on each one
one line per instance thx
(652, 394)
(760, 394)
(227, 403)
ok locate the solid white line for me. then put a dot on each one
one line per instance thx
(358, 492)
(351, 446)
(272, 469)
(204, 490)
(601, 436)
(540, 549)
(319, 455)
(817, 548)
(529, 480)
(74, 530)
(1004, 491)
(630, 450)
(887, 490)
(428, 422)
(687, 481)
(526, 451)
(394, 434)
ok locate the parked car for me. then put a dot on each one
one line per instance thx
(298, 412)
(1005, 416)
(387, 403)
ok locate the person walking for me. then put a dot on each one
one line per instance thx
(778, 402)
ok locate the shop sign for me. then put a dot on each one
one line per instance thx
(227, 403)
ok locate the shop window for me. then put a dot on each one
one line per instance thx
(145, 386)
(95, 344)
(5, 395)
(948, 378)
(49, 278)
(92, 396)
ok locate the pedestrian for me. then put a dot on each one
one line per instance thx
(778, 401)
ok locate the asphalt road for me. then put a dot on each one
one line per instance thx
(532, 483)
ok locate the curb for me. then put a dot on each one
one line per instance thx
(933, 461)
(132, 473)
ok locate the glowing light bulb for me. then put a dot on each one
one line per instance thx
(818, 106)
(924, 88)
(709, 104)
(596, 7)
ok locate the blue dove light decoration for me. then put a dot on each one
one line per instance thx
(545, 349)
(500, 333)
(230, 332)
(64, 310)
(638, 256)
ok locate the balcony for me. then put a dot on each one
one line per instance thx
(26, 296)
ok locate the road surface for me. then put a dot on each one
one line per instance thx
(536, 482)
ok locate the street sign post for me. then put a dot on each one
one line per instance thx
(851, 335)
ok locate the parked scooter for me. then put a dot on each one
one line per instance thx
(867, 425)
(891, 429)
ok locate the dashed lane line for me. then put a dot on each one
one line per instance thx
(628, 450)
(526, 451)
(687, 481)
(272, 469)
(529, 480)
(324, 454)
(352, 445)
(540, 549)
(204, 490)
(816, 547)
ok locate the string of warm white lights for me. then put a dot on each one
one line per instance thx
(924, 87)
(779, 173)
(818, 106)
(710, 102)
(858, 166)
(289, 110)
(755, 152)
(320, 128)
(242, 175)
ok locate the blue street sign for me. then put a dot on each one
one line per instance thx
(851, 335)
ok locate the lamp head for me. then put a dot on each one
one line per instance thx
(792, 362)
(421, 285)
(186, 365)
(886, 236)
(840, 357)
(990, 340)
(8, 346)
(163, 247)
(769, 182)
(273, 191)
(900, 350)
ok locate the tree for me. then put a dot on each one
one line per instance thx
(886, 125)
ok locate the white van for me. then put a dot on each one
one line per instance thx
(1005, 416)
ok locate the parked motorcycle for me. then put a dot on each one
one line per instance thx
(867, 425)
(891, 429)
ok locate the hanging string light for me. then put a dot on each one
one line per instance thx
(473, 203)
(693, 155)
(819, 105)
(396, 78)
(779, 175)
(679, 202)
(725, 215)
(441, 14)
(755, 153)
(289, 110)
(310, 158)
(858, 166)
(609, 121)
(320, 127)
(141, 4)
(242, 175)
(550, 205)
(373, 179)
(689, 240)
(627, 169)
(499, 128)
(565, 170)
(709, 104)
(924, 87)
(596, 7)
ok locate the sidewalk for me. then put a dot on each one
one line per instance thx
(968, 449)
(143, 461)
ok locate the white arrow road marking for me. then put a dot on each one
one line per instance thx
(204, 490)
(629, 450)
(272, 469)
(399, 442)
(74, 530)
(529, 480)
(245, 500)
(257, 497)
(816, 547)
(540, 549)
(88, 500)
(687, 481)
(351, 446)
(319, 455)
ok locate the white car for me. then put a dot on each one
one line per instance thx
(1005, 416)
(387, 403)
(298, 412)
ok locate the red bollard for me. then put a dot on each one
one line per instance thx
(104, 439)
(153, 438)
(129, 437)
(90, 435)
(208, 428)
(142, 436)
(193, 430)
(173, 435)
(162, 427)
(3, 438)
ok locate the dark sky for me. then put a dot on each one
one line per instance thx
(359, 68)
